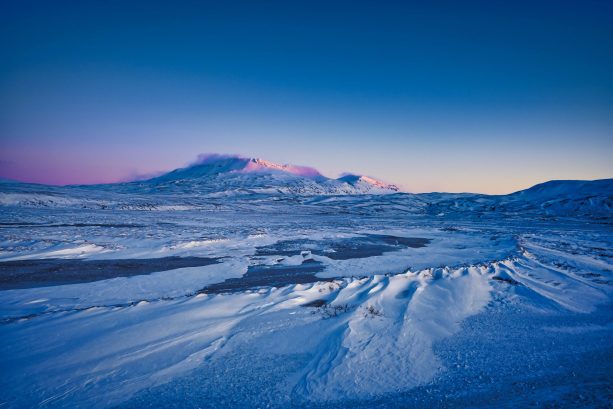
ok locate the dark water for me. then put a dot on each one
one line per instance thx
(47, 272)
(367, 245)
(277, 275)
(269, 276)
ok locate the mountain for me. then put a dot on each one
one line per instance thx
(562, 189)
(234, 174)
(366, 182)
(224, 182)
(567, 198)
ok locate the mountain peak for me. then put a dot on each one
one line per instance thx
(222, 172)
(363, 180)
(259, 165)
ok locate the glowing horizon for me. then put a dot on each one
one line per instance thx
(475, 97)
(305, 171)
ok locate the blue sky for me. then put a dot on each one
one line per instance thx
(485, 96)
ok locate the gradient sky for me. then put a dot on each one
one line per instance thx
(484, 96)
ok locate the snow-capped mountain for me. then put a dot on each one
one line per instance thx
(234, 174)
(368, 183)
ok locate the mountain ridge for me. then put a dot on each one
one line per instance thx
(236, 172)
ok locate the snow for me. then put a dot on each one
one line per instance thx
(366, 182)
(504, 301)
(392, 321)
(61, 251)
(173, 336)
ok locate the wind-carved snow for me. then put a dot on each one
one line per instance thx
(374, 335)
(385, 342)
(388, 320)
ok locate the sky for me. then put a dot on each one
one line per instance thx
(479, 96)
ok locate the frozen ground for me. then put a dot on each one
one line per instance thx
(320, 301)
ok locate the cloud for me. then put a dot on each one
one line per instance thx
(305, 171)
(205, 158)
(136, 176)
